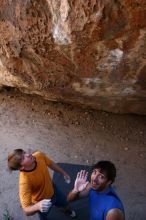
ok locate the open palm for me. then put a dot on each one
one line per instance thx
(81, 181)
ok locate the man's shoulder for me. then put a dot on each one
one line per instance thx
(113, 200)
(42, 157)
(38, 154)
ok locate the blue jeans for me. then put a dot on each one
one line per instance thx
(58, 199)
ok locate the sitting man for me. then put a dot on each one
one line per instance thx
(104, 203)
(36, 189)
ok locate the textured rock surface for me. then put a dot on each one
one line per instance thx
(85, 52)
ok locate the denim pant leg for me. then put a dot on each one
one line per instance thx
(43, 215)
(58, 199)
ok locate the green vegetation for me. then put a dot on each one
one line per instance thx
(6, 215)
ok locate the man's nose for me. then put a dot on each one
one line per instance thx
(95, 177)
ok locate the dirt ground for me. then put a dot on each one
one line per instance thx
(73, 135)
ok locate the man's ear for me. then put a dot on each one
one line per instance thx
(109, 182)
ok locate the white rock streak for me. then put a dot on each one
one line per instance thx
(116, 55)
(61, 28)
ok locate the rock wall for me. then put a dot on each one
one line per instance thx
(89, 52)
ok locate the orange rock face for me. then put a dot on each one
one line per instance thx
(89, 52)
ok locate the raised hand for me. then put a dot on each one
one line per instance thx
(81, 181)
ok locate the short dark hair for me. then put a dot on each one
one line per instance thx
(108, 167)
(14, 159)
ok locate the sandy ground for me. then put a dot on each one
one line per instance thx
(73, 135)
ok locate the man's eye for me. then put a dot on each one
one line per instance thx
(101, 176)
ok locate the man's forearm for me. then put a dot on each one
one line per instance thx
(31, 210)
(57, 168)
(73, 195)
